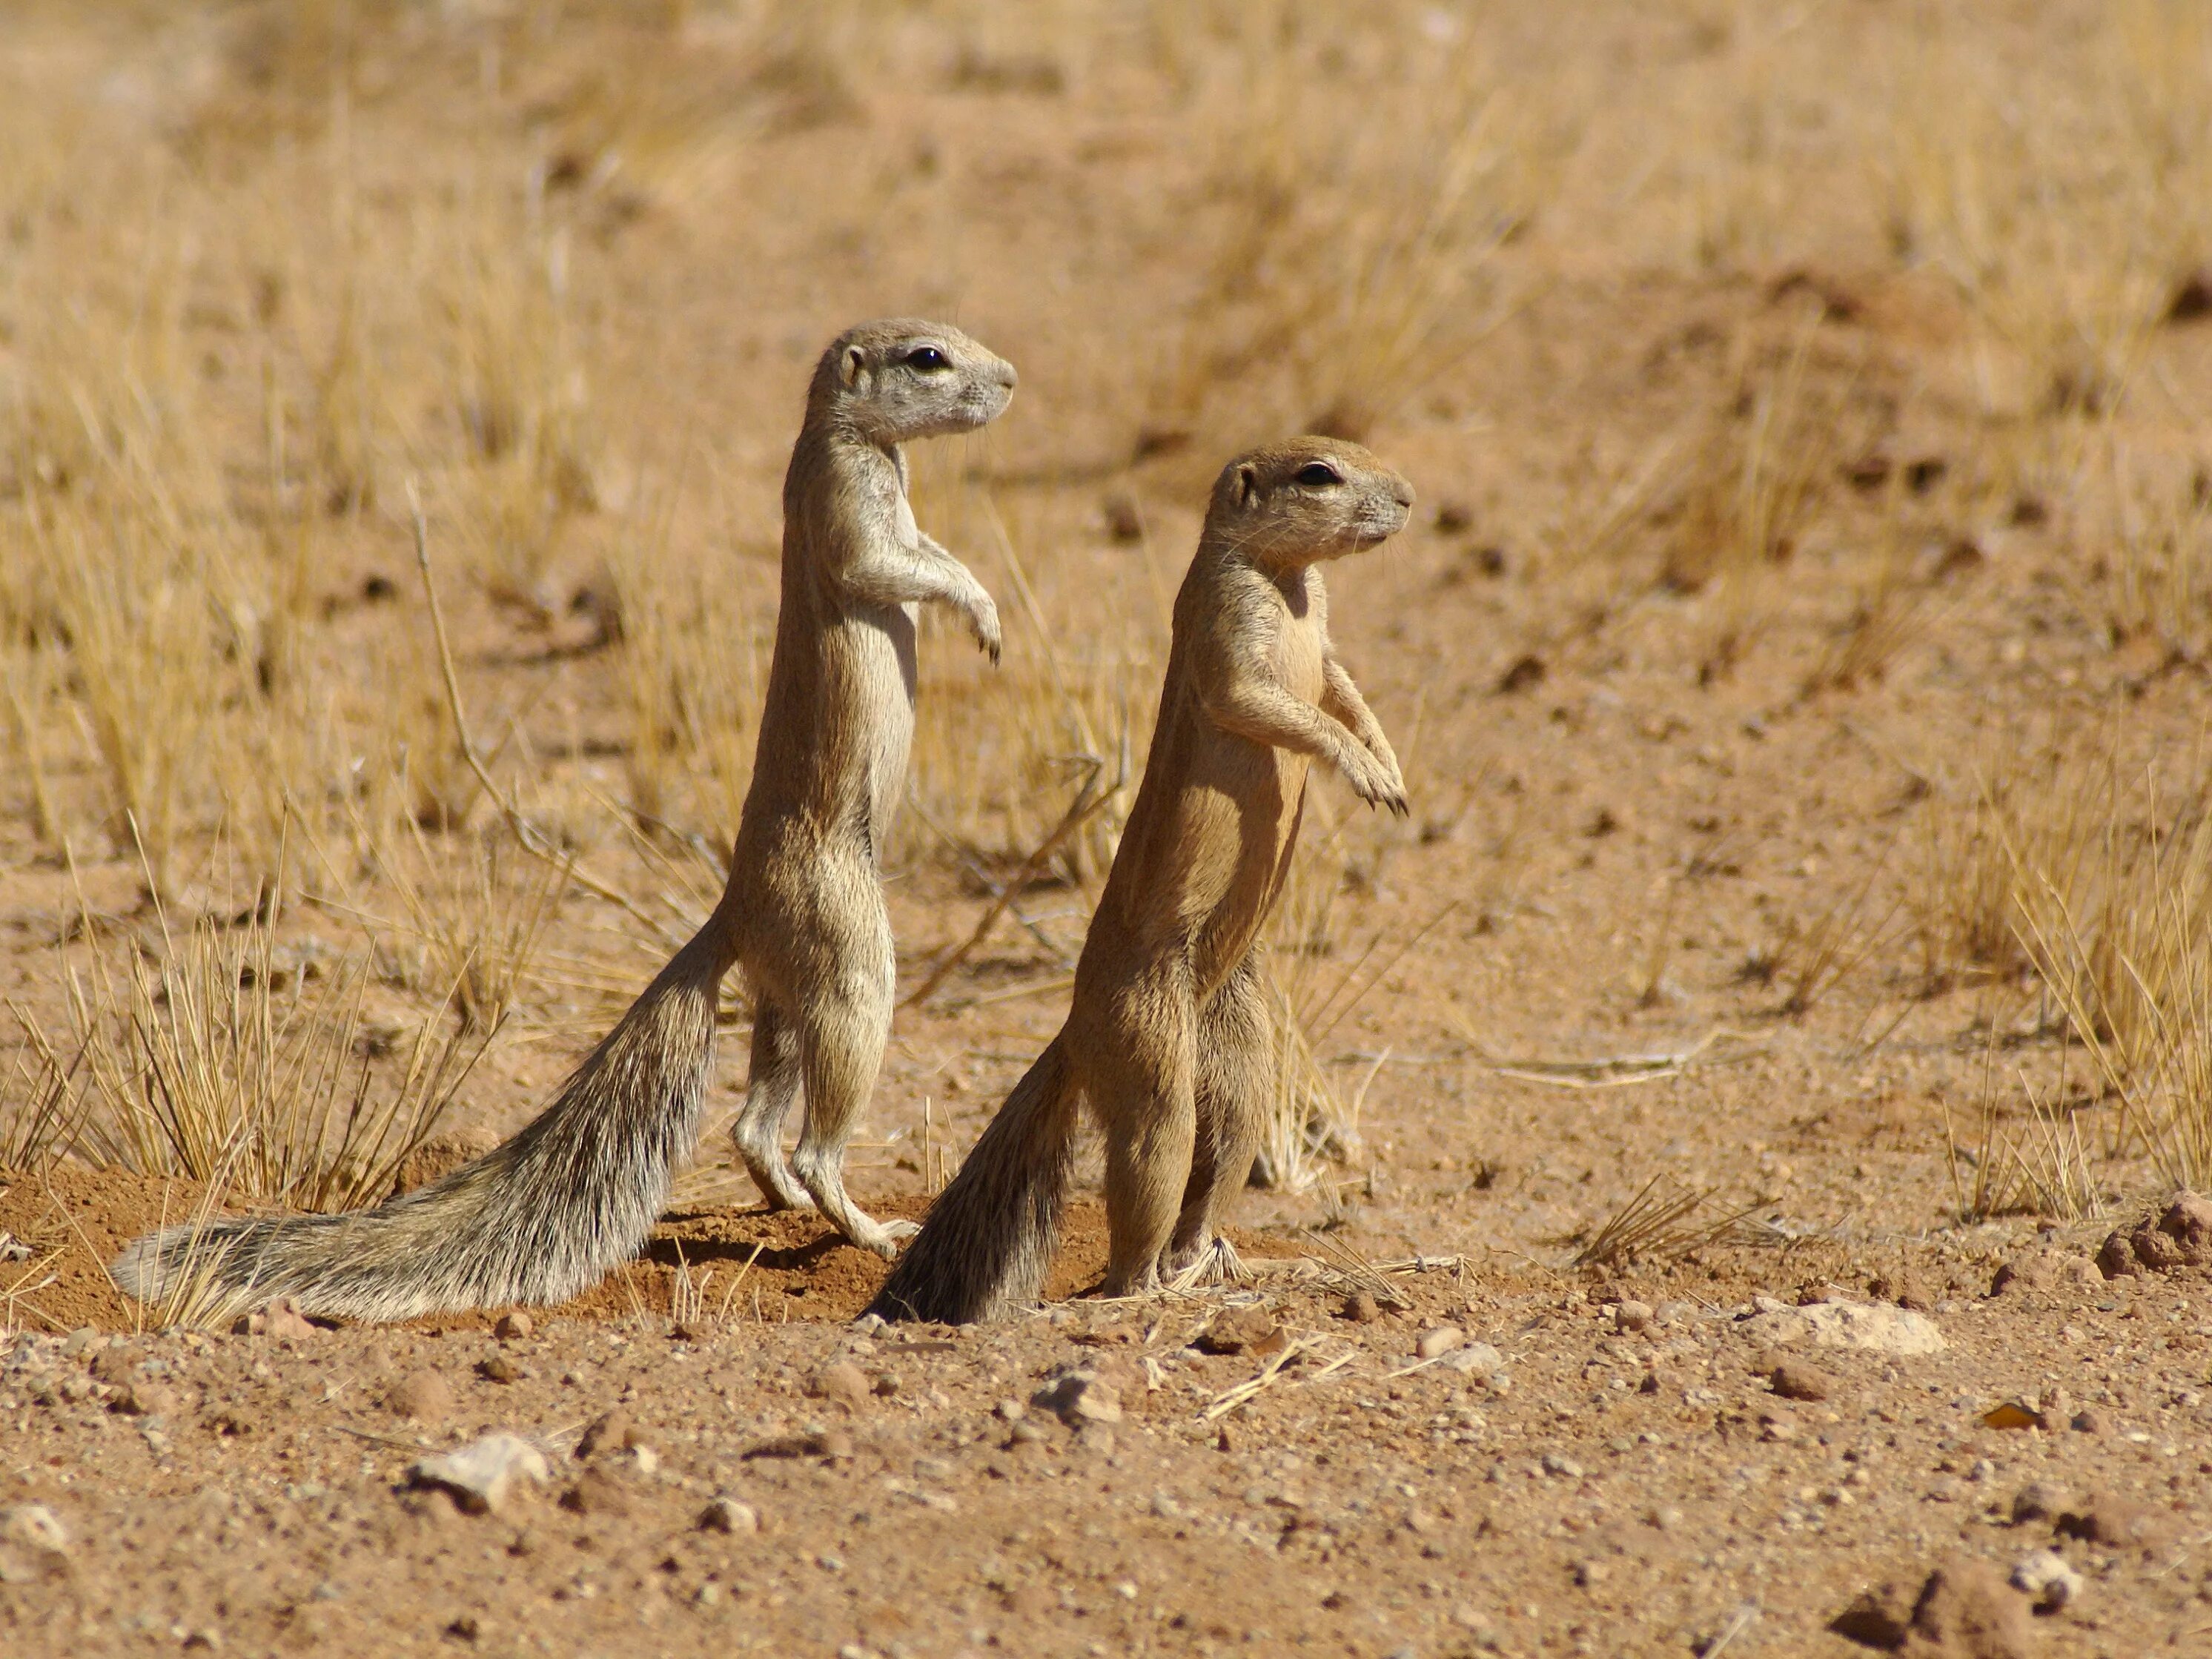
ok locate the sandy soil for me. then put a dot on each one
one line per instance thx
(1572, 946)
(1615, 1475)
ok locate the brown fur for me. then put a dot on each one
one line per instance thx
(545, 1215)
(1167, 1035)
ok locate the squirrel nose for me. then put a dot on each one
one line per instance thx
(1007, 378)
(1401, 492)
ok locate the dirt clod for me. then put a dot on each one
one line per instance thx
(2040, 1500)
(2179, 1237)
(1240, 1330)
(843, 1383)
(1906, 1289)
(609, 1431)
(1434, 1344)
(141, 1399)
(1079, 1397)
(598, 1490)
(1960, 1611)
(1794, 1379)
(279, 1318)
(2105, 1517)
(423, 1395)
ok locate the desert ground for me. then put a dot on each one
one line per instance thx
(1727, 1192)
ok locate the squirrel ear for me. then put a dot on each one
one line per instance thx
(1248, 485)
(850, 370)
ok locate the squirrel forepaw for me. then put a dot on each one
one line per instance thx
(983, 621)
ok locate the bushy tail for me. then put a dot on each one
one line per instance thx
(538, 1218)
(990, 1236)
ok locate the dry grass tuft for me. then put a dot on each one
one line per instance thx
(1664, 1222)
(225, 1059)
(1346, 268)
(2093, 874)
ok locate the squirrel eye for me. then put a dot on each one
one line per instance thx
(927, 357)
(1317, 474)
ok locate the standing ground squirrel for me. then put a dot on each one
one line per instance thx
(548, 1211)
(1168, 1033)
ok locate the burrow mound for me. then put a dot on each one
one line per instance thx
(2178, 1240)
(739, 1263)
(68, 1222)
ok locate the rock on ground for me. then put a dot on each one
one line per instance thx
(481, 1476)
(1870, 1327)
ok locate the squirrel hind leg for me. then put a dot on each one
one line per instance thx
(1234, 1093)
(756, 1137)
(842, 1046)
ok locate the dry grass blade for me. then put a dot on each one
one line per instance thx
(1250, 1389)
(1664, 1220)
(1718, 1047)
(687, 1298)
(1091, 797)
(1347, 1265)
(729, 1296)
(48, 1114)
(533, 839)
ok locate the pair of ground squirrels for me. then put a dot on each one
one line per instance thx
(1167, 1037)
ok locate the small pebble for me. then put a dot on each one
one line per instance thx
(1633, 1316)
(1362, 1309)
(598, 1490)
(113, 1363)
(499, 1369)
(1079, 1397)
(513, 1325)
(145, 1400)
(282, 1318)
(729, 1516)
(1796, 1380)
(33, 1524)
(482, 1476)
(423, 1395)
(1555, 1463)
(2040, 1500)
(2044, 1575)
(1439, 1341)
(842, 1381)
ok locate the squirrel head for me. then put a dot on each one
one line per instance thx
(903, 378)
(1296, 503)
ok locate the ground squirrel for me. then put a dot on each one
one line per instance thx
(1168, 1035)
(548, 1211)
